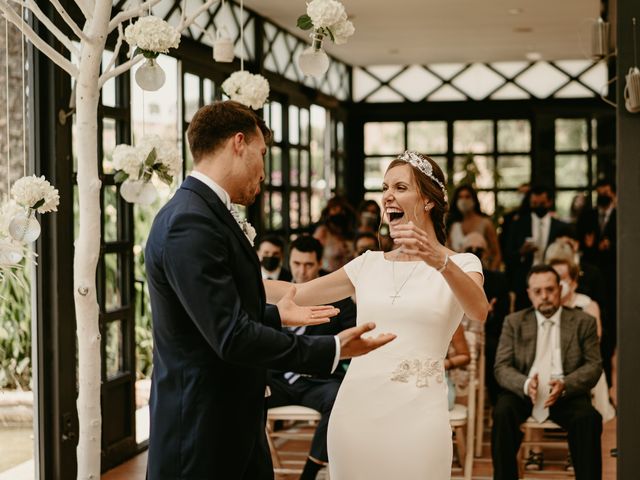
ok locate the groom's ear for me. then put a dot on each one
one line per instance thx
(238, 143)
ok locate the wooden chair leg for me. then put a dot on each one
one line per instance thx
(275, 457)
(460, 445)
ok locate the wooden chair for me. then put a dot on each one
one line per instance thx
(292, 416)
(528, 442)
(462, 417)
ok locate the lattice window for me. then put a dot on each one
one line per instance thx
(479, 81)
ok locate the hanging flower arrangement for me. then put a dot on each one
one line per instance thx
(33, 194)
(136, 165)
(326, 18)
(11, 251)
(151, 36)
(247, 88)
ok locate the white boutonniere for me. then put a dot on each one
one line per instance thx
(249, 231)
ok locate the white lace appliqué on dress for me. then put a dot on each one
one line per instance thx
(422, 369)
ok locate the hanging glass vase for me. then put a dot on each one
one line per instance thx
(223, 46)
(313, 61)
(140, 192)
(150, 76)
(24, 227)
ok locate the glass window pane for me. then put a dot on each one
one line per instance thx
(294, 167)
(208, 88)
(563, 204)
(110, 210)
(317, 203)
(112, 281)
(383, 138)
(114, 348)
(276, 121)
(266, 210)
(191, 94)
(188, 158)
(374, 169)
(508, 201)
(340, 136)
(442, 163)
(304, 168)
(108, 143)
(276, 166)
(594, 133)
(476, 170)
(294, 134)
(571, 171)
(514, 136)
(319, 174)
(487, 202)
(571, 134)
(513, 170)
(427, 137)
(304, 126)
(276, 210)
(473, 136)
(108, 92)
(305, 218)
(294, 210)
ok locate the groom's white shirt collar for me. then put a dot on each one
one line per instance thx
(217, 189)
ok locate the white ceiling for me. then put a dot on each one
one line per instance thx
(402, 32)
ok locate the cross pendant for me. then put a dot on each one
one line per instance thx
(393, 298)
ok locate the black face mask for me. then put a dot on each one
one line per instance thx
(478, 252)
(540, 211)
(603, 201)
(270, 263)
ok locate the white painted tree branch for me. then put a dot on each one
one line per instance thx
(68, 20)
(130, 13)
(11, 15)
(119, 69)
(116, 52)
(46, 21)
(189, 20)
(86, 7)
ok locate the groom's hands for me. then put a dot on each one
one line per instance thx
(352, 344)
(293, 315)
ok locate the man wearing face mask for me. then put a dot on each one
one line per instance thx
(270, 250)
(597, 233)
(548, 361)
(529, 237)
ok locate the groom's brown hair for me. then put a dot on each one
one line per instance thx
(214, 124)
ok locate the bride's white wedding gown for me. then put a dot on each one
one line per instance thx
(390, 419)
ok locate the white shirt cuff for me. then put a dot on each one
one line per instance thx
(526, 386)
(336, 359)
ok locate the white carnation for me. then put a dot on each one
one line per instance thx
(166, 153)
(128, 159)
(342, 30)
(28, 191)
(152, 34)
(324, 13)
(246, 88)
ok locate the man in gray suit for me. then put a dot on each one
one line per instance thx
(547, 362)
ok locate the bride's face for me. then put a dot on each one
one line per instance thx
(401, 199)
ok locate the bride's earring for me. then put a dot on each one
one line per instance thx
(427, 208)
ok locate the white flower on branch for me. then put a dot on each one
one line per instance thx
(341, 31)
(151, 155)
(152, 36)
(36, 193)
(246, 88)
(324, 13)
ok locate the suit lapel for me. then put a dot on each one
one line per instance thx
(222, 212)
(567, 331)
(529, 334)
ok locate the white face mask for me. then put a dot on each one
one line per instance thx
(565, 288)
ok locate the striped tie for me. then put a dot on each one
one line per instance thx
(291, 377)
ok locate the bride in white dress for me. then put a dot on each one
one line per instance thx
(390, 419)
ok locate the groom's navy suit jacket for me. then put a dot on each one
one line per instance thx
(213, 344)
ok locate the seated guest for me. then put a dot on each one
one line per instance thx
(496, 288)
(270, 250)
(548, 361)
(290, 388)
(365, 241)
(458, 356)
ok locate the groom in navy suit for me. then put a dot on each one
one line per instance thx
(213, 340)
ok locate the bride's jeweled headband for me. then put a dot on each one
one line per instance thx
(421, 164)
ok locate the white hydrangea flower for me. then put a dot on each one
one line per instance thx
(128, 159)
(152, 34)
(342, 30)
(166, 153)
(8, 210)
(31, 190)
(246, 88)
(324, 13)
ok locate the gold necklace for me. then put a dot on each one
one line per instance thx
(393, 278)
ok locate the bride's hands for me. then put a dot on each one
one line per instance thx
(415, 242)
(293, 315)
